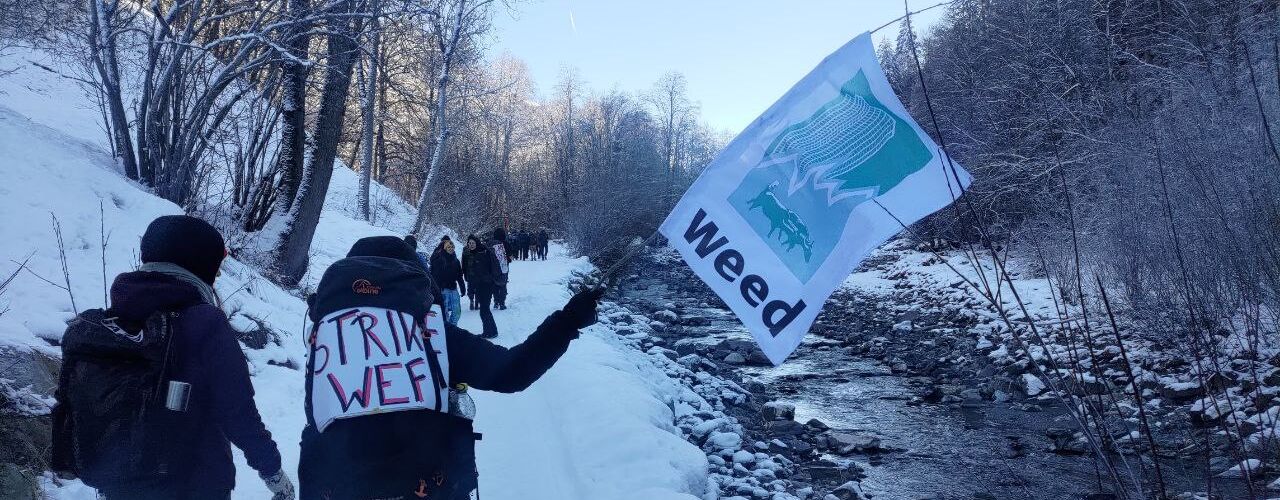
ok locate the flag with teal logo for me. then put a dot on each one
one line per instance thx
(782, 216)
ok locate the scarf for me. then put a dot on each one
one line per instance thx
(185, 276)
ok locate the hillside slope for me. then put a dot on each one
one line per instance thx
(598, 426)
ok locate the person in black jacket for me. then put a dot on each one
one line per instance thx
(468, 273)
(419, 446)
(501, 250)
(482, 273)
(543, 241)
(446, 271)
(181, 256)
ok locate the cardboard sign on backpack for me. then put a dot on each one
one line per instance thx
(368, 360)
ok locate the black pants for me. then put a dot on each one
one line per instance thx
(483, 296)
(500, 294)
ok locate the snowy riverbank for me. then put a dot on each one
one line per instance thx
(602, 424)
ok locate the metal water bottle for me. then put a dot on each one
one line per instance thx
(178, 397)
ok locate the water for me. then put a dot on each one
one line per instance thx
(937, 451)
(934, 451)
(942, 451)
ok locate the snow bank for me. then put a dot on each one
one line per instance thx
(598, 426)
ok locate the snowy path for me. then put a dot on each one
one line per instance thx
(599, 425)
(591, 428)
(523, 449)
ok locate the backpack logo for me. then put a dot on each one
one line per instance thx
(366, 287)
(814, 173)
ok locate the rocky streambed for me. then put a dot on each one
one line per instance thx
(869, 407)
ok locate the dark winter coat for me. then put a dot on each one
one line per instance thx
(500, 237)
(481, 268)
(500, 248)
(207, 355)
(394, 454)
(446, 270)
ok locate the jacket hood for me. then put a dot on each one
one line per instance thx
(136, 295)
(373, 281)
(383, 246)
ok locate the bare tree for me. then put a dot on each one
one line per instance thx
(670, 100)
(202, 59)
(106, 24)
(292, 159)
(454, 23)
(299, 225)
(369, 85)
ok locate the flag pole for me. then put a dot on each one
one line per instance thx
(911, 13)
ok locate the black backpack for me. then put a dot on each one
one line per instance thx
(110, 424)
(384, 454)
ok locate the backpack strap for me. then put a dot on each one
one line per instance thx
(311, 366)
(167, 319)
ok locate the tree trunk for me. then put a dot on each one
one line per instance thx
(368, 110)
(103, 55)
(437, 150)
(295, 240)
(380, 166)
(293, 130)
(448, 48)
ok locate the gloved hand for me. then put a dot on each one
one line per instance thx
(581, 309)
(462, 288)
(280, 486)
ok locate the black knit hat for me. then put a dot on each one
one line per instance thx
(189, 242)
(383, 246)
(411, 241)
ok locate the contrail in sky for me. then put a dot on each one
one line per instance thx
(573, 24)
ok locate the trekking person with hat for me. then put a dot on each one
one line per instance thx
(385, 401)
(500, 248)
(154, 390)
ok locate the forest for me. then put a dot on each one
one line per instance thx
(1117, 256)
(238, 110)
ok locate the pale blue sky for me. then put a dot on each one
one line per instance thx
(739, 56)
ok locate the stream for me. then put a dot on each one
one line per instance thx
(989, 449)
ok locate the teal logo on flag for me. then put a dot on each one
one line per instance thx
(816, 172)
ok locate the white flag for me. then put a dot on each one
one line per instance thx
(782, 216)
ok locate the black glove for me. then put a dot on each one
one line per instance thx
(581, 309)
(462, 288)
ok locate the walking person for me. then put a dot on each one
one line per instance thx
(543, 241)
(414, 439)
(446, 270)
(502, 255)
(164, 330)
(482, 273)
(468, 263)
(524, 244)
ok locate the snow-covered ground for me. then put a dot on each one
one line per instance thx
(600, 425)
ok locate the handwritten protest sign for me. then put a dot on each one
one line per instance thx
(371, 360)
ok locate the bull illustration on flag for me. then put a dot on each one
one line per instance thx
(782, 215)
